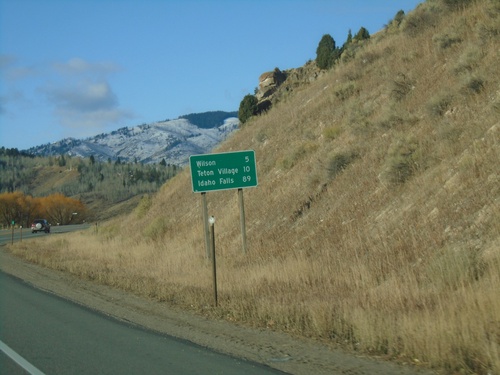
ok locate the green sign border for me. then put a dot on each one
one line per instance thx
(223, 171)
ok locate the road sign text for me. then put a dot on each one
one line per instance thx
(228, 170)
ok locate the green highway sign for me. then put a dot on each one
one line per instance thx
(223, 171)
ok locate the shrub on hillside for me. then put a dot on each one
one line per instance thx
(473, 85)
(439, 104)
(349, 52)
(394, 117)
(401, 86)
(398, 18)
(419, 20)
(456, 4)
(444, 41)
(345, 91)
(396, 21)
(402, 161)
(489, 31)
(248, 108)
(297, 154)
(339, 162)
(468, 60)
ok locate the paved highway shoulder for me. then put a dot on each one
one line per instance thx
(60, 337)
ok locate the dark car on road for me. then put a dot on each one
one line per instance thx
(40, 225)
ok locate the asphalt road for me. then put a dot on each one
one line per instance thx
(57, 336)
(21, 234)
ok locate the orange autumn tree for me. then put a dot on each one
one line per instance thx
(56, 208)
(59, 209)
(11, 207)
(17, 207)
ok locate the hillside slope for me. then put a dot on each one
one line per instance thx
(376, 222)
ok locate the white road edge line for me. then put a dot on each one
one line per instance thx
(19, 360)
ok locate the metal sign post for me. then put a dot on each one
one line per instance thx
(214, 265)
(12, 238)
(242, 221)
(206, 230)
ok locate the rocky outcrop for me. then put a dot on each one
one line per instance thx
(276, 84)
(269, 82)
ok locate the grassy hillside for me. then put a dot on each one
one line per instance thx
(376, 222)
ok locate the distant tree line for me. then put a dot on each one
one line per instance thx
(87, 178)
(14, 152)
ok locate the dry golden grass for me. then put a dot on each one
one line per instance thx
(395, 252)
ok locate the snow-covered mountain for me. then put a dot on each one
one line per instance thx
(171, 140)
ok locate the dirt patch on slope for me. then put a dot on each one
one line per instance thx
(290, 354)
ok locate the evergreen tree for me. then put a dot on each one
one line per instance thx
(398, 18)
(362, 34)
(248, 108)
(349, 38)
(326, 52)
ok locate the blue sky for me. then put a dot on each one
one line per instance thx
(72, 68)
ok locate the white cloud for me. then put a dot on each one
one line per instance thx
(78, 124)
(86, 106)
(78, 93)
(82, 97)
(78, 66)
